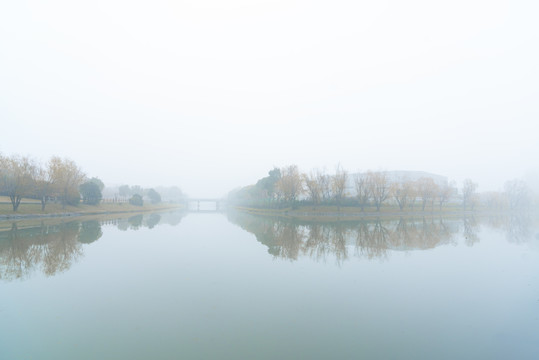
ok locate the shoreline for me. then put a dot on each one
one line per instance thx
(74, 214)
(322, 214)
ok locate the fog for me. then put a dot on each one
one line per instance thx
(210, 95)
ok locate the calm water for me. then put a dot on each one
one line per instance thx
(214, 286)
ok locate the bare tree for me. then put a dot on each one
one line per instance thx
(313, 186)
(324, 182)
(518, 195)
(378, 187)
(363, 190)
(444, 193)
(427, 189)
(401, 191)
(468, 191)
(43, 186)
(290, 185)
(414, 193)
(338, 185)
(495, 200)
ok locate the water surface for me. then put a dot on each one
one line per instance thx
(236, 286)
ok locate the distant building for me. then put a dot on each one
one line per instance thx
(396, 177)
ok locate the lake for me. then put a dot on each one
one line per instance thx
(237, 286)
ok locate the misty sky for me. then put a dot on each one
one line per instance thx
(210, 95)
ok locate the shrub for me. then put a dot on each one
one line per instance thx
(91, 193)
(136, 200)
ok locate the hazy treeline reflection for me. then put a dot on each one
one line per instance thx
(369, 238)
(518, 228)
(53, 246)
(149, 221)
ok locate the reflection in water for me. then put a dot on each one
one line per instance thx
(90, 231)
(517, 226)
(370, 238)
(52, 247)
(288, 238)
(153, 220)
(48, 248)
(139, 221)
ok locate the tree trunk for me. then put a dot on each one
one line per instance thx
(43, 203)
(15, 201)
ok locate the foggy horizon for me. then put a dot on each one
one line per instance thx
(209, 96)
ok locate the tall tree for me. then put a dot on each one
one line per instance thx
(267, 184)
(363, 190)
(313, 187)
(66, 177)
(378, 187)
(518, 194)
(401, 191)
(290, 185)
(43, 186)
(414, 193)
(338, 185)
(98, 182)
(445, 192)
(154, 196)
(427, 189)
(468, 192)
(137, 189)
(124, 190)
(17, 178)
(91, 193)
(324, 183)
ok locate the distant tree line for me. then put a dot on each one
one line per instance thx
(136, 194)
(59, 180)
(289, 187)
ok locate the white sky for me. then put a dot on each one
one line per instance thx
(210, 95)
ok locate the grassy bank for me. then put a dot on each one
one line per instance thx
(30, 208)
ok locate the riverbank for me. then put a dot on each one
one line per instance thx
(350, 213)
(33, 210)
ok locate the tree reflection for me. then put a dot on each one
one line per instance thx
(517, 226)
(135, 221)
(368, 238)
(90, 231)
(139, 221)
(52, 247)
(48, 248)
(153, 220)
(470, 230)
(371, 240)
(288, 240)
